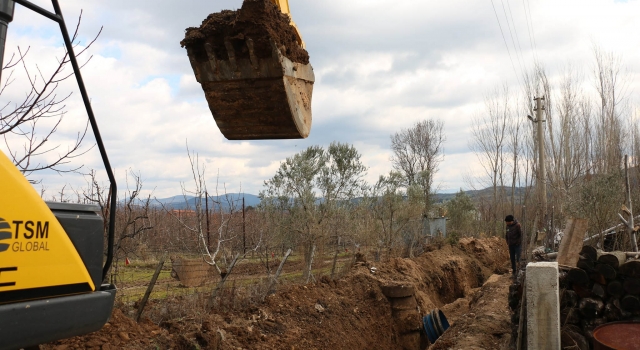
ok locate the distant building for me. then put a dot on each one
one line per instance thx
(438, 227)
(436, 224)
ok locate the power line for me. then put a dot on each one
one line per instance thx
(533, 33)
(526, 17)
(505, 41)
(515, 48)
(514, 27)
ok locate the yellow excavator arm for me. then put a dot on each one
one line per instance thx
(284, 7)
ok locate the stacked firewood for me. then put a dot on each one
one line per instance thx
(604, 288)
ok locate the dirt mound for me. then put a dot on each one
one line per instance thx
(486, 321)
(121, 332)
(347, 313)
(259, 20)
(443, 275)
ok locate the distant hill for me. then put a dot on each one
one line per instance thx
(226, 201)
(179, 202)
(475, 194)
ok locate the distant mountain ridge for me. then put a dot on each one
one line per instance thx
(235, 199)
(227, 201)
(486, 193)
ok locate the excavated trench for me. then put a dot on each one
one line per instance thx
(363, 310)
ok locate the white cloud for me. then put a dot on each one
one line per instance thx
(380, 67)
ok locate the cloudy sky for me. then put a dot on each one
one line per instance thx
(380, 66)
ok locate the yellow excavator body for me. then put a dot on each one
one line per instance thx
(35, 252)
(52, 259)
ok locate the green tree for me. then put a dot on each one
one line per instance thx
(397, 210)
(461, 212)
(310, 188)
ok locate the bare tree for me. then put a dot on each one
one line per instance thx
(28, 142)
(489, 143)
(133, 215)
(417, 153)
(612, 87)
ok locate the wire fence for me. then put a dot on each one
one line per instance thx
(186, 283)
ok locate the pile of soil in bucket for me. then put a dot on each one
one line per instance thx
(259, 20)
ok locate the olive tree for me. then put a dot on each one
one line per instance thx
(461, 213)
(308, 190)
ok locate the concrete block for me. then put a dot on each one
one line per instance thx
(543, 306)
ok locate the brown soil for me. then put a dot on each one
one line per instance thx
(347, 313)
(259, 20)
(480, 321)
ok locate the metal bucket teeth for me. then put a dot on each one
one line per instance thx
(252, 97)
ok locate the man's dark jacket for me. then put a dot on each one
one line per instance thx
(514, 233)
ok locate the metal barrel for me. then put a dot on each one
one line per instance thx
(617, 335)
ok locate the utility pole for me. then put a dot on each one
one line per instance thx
(542, 182)
(244, 235)
(206, 204)
(541, 176)
(630, 223)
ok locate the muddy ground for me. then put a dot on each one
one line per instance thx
(468, 281)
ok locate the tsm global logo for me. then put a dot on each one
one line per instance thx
(28, 236)
(5, 233)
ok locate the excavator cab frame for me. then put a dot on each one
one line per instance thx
(51, 254)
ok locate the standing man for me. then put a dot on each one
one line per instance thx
(514, 240)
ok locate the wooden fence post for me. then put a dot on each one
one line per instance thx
(333, 267)
(143, 303)
(222, 281)
(278, 272)
(310, 275)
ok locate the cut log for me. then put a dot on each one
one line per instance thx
(613, 259)
(591, 308)
(630, 303)
(597, 277)
(612, 313)
(570, 316)
(607, 271)
(615, 288)
(632, 285)
(625, 314)
(578, 276)
(568, 299)
(571, 245)
(585, 264)
(588, 325)
(583, 292)
(599, 291)
(630, 268)
(589, 252)
(563, 282)
(572, 339)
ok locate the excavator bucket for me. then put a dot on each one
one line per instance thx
(257, 84)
